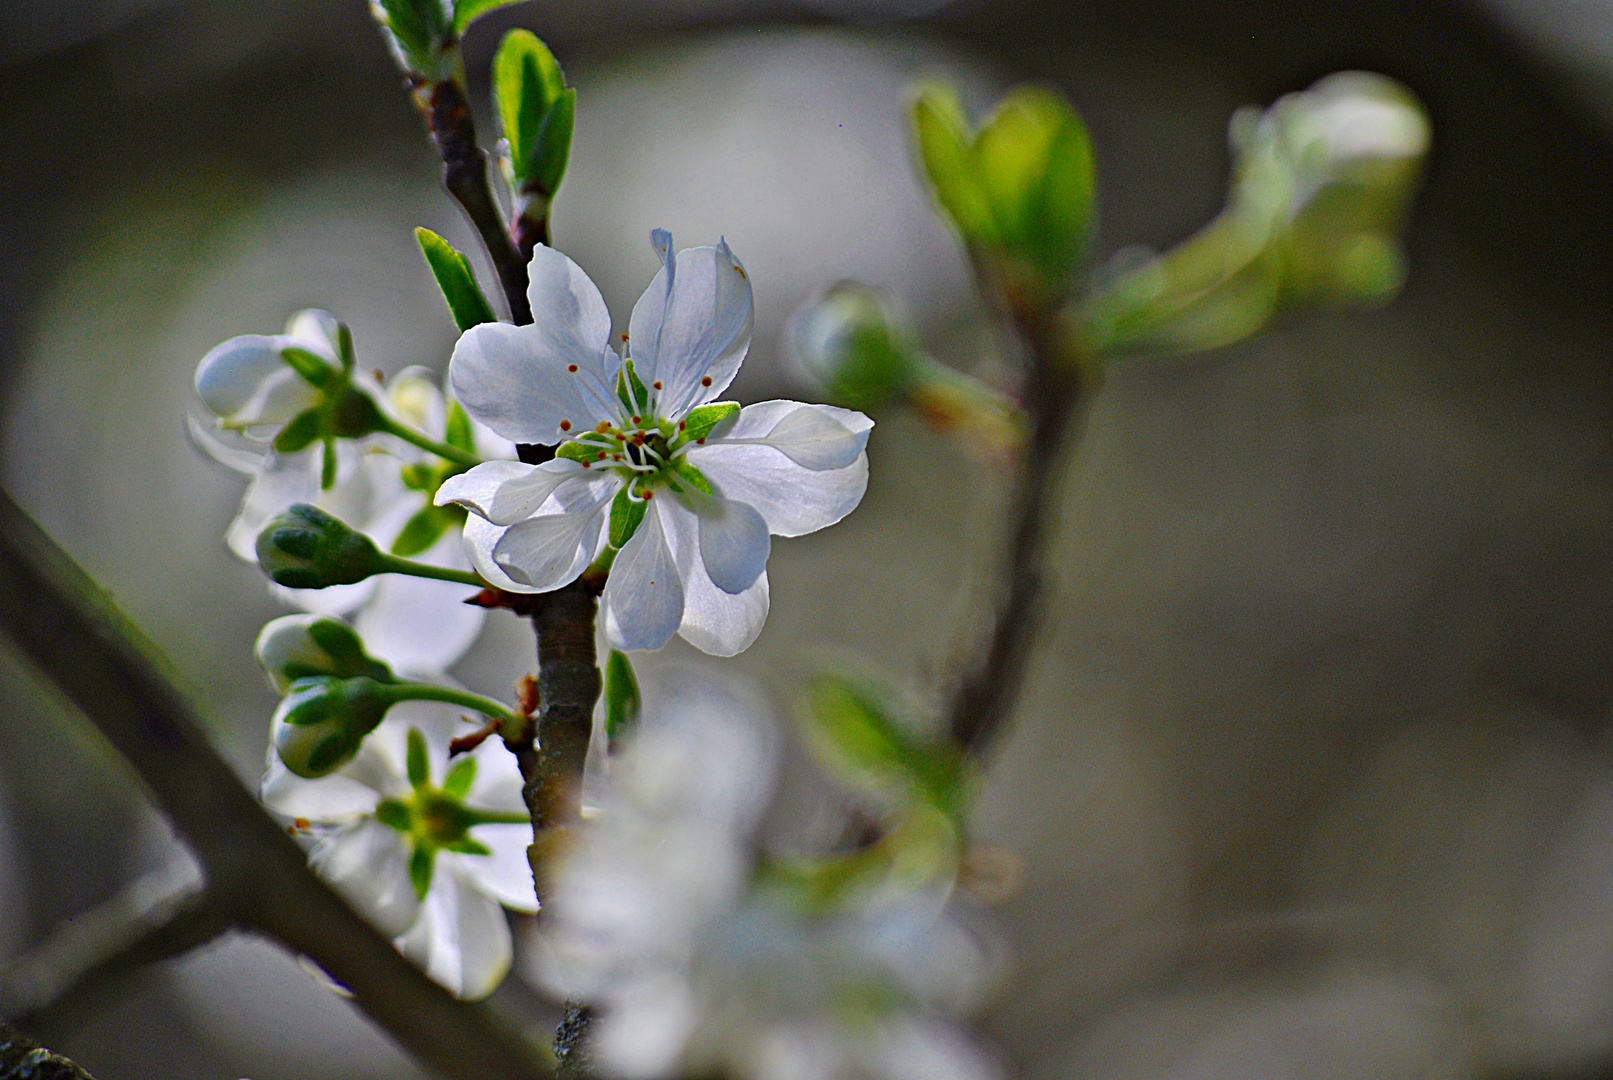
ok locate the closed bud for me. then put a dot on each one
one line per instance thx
(848, 341)
(321, 723)
(306, 548)
(303, 646)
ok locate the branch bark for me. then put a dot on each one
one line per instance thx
(23, 1059)
(69, 628)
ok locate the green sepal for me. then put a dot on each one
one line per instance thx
(417, 761)
(464, 297)
(692, 476)
(622, 701)
(467, 846)
(629, 387)
(422, 531)
(700, 422)
(625, 514)
(306, 548)
(461, 776)
(581, 450)
(393, 814)
(346, 651)
(301, 432)
(458, 431)
(310, 366)
(422, 864)
(468, 11)
(851, 729)
(356, 415)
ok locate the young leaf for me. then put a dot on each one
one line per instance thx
(552, 151)
(942, 133)
(465, 300)
(527, 85)
(1033, 162)
(468, 11)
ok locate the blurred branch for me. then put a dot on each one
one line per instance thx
(23, 1059)
(464, 174)
(1052, 393)
(68, 627)
(161, 915)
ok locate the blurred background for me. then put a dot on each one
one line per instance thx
(1312, 776)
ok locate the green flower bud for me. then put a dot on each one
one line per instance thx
(306, 548)
(323, 720)
(847, 340)
(304, 646)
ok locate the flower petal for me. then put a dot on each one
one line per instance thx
(233, 372)
(535, 383)
(331, 799)
(505, 492)
(714, 621)
(420, 625)
(644, 595)
(691, 325)
(732, 540)
(461, 938)
(550, 550)
(506, 875)
(480, 538)
(816, 437)
(792, 499)
(368, 864)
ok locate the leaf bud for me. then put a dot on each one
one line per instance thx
(296, 647)
(848, 340)
(306, 548)
(323, 720)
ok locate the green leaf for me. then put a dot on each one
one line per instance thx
(527, 84)
(460, 777)
(622, 700)
(1033, 162)
(468, 11)
(941, 131)
(458, 432)
(700, 422)
(465, 300)
(422, 862)
(300, 433)
(552, 151)
(414, 33)
(625, 514)
(419, 763)
(422, 531)
(852, 732)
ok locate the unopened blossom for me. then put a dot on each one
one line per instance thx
(688, 489)
(247, 383)
(415, 624)
(696, 969)
(430, 859)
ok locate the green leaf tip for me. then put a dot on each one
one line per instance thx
(466, 303)
(537, 113)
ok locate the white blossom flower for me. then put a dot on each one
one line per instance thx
(415, 624)
(697, 970)
(427, 850)
(688, 490)
(247, 383)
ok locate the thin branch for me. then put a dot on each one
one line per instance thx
(161, 915)
(988, 694)
(68, 627)
(464, 174)
(23, 1059)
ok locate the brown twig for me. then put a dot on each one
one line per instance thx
(464, 174)
(1052, 392)
(67, 626)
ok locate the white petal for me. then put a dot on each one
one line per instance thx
(693, 323)
(714, 621)
(505, 492)
(732, 539)
(278, 399)
(813, 436)
(549, 551)
(792, 500)
(461, 940)
(316, 331)
(480, 538)
(506, 874)
(644, 596)
(368, 864)
(416, 624)
(330, 800)
(533, 384)
(231, 373)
